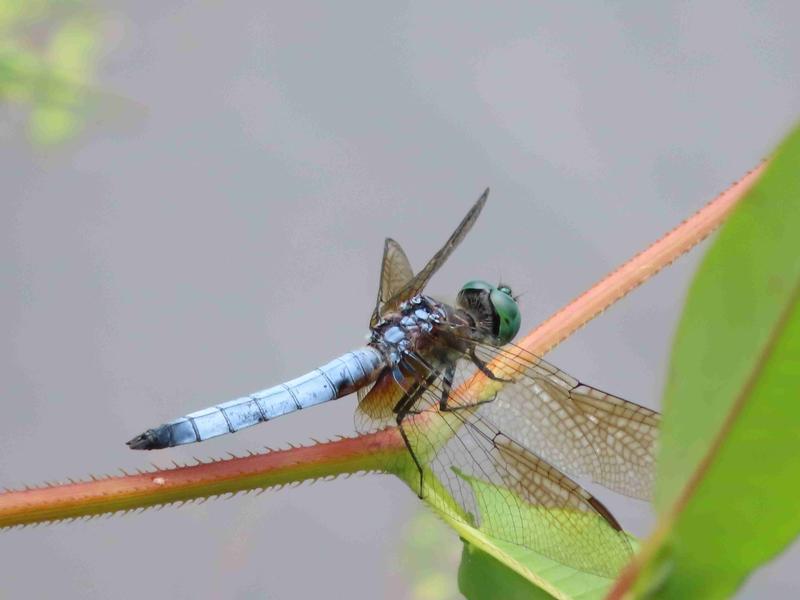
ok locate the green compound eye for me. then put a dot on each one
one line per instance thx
(507, 311)
(477, 285)
(504, 306)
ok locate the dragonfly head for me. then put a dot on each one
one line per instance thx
(493, 307)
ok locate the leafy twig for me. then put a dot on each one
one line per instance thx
(372, 452)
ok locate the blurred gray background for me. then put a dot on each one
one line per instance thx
(219, 230)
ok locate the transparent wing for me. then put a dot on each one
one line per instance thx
(580, 429)
(396, 273)
(376, 404)
(416, 285)
(503, 488)
(362, 393)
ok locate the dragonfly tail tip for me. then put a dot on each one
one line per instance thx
(149, 440)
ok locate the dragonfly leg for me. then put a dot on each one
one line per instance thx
(484, 368)
(405, 407)
(447, 385)
(411, 451)
(468, 406)
(447, 381)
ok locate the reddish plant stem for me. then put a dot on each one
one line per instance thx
(163, 486)
(364, 453)
(638, 269)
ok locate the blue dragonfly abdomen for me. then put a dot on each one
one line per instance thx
(340, 377)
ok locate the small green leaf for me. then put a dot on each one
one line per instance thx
(19, 70)
(49, 68)
(52, 125)
(731, 412)
(513, 568)
(583, 539)
(482, 576)
(73, 48)
(516, 568)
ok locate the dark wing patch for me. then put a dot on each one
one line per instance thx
(416, 285)
(375, 406)
(396, 273)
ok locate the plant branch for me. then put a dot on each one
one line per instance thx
(145, 489)
(638, 269)
(373, 452)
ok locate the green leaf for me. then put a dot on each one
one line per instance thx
(482, 576)
(73, 48)
(49, 67)
(729, 473)
(580, 538)
(52, 125)
(493, 568)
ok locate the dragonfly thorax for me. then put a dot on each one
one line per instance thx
(410, 329)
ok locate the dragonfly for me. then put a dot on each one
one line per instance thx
(503, 433)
